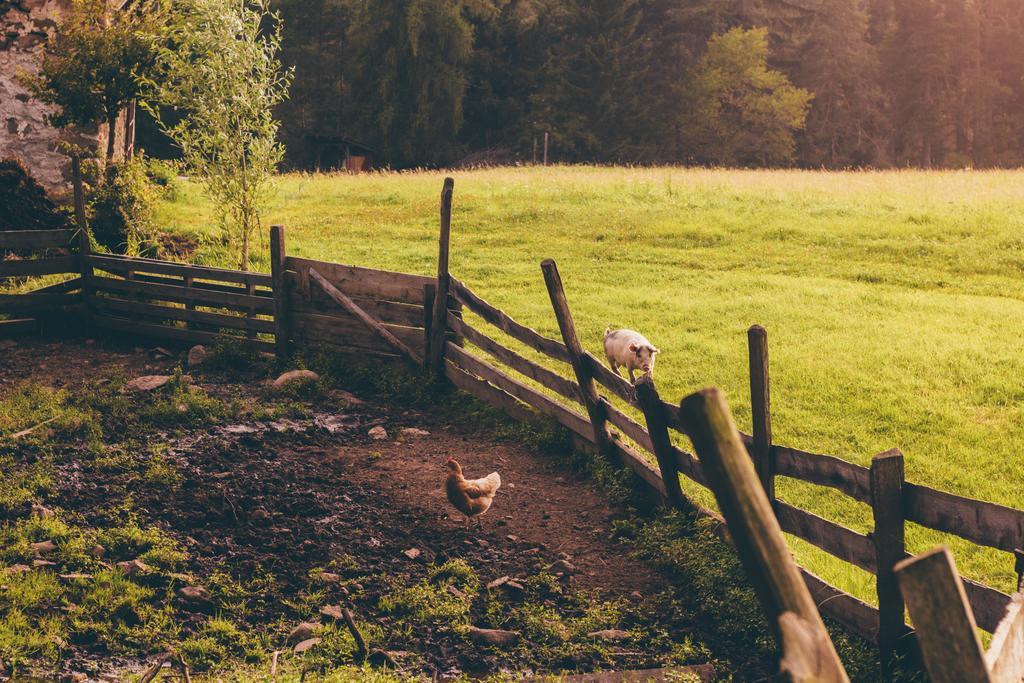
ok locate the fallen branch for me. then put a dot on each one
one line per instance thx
(273, 665)
(356, 635)
(150, 673)
(26, 432)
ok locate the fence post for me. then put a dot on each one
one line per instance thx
(946, 630)
(84, 242)
(428, 322)
(761, 410)
(282, 321)
(756, 532)
(657, 426)
(439, 325)
(593, 402)
(886, 478)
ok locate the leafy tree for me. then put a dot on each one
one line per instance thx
(94, 67)
(408, 77)
(742, 111)
(219, 66)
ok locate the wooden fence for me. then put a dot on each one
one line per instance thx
(419, 318)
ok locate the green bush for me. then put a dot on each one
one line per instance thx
(123, 208)
(164, 176)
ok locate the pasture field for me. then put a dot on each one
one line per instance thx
(894, 301)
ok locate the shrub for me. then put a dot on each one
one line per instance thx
(123, 208)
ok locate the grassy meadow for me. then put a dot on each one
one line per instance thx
(894, 301)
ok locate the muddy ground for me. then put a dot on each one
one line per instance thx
(282, 512)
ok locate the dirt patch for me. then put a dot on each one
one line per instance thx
(284, 513)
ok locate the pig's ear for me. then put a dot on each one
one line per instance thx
(654, 350)
(633, 347)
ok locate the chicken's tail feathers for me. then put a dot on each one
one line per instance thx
(494, 478)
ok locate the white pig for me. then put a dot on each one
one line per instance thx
(631, 350)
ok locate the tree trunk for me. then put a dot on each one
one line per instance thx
(111, 134)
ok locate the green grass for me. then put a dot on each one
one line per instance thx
(893, 300)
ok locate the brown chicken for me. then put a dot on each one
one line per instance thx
(470, 497)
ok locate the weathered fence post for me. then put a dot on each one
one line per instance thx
(429, 291)
(755, 530)
(84, 242)
(657, 426)
(439, 324)
(886, 479)
(577, 356)
(943, 619)
(282, 322)
(761, 410)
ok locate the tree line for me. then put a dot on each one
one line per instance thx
(811, 83)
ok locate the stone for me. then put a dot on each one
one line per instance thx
(97, 551)
(297, 377)
(18, 569)
(414, 432)
(77, 576)
(78, 677)
(330, 578)
(195, 596)
(306, 645)
(493, 636)
(133, 567)
(197, 355)
(43, 547)
(43, 563)
(41, 510)
(332, 612)
(159, 353)
(563, 567)
(512, 538)
(347, 398)
(412, 553)
(148, 382)
(302, 632)
(611, 635)
(498, 582)
(378, 433)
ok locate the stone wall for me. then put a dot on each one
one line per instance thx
(26, 26)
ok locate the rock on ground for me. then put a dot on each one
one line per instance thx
(493, 636)
(296, 377)
(197, 355)
(147, 382)
(378, 433)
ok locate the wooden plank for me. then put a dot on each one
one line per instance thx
(247, 290)
(439, 321)
(60, 287)
(42, 266)
(355, 281)
(889, 540)
(989, 524)
(988, 605)
(641, 466)
(385, 335)
(134, 327)
(617, 384)
(17, 303)
(528, 395)
(824, 470)
(805, 652)
(179, 294)
(550, 379)
(122, 264)
(18, 327)
(688, 465)
(673, 417)
(752, 523)
(595, 405)
(395, 313)
(628, 426)
(506, 324)
(946, 630)
(1005, 656)
(760, 408)
(835, 539)
(133, 308)
(856, 615)
(36, 239)
(349, 331)
(661, 442)
(488, 393)
(282, 313)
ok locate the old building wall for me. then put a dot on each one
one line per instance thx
(26, 26)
